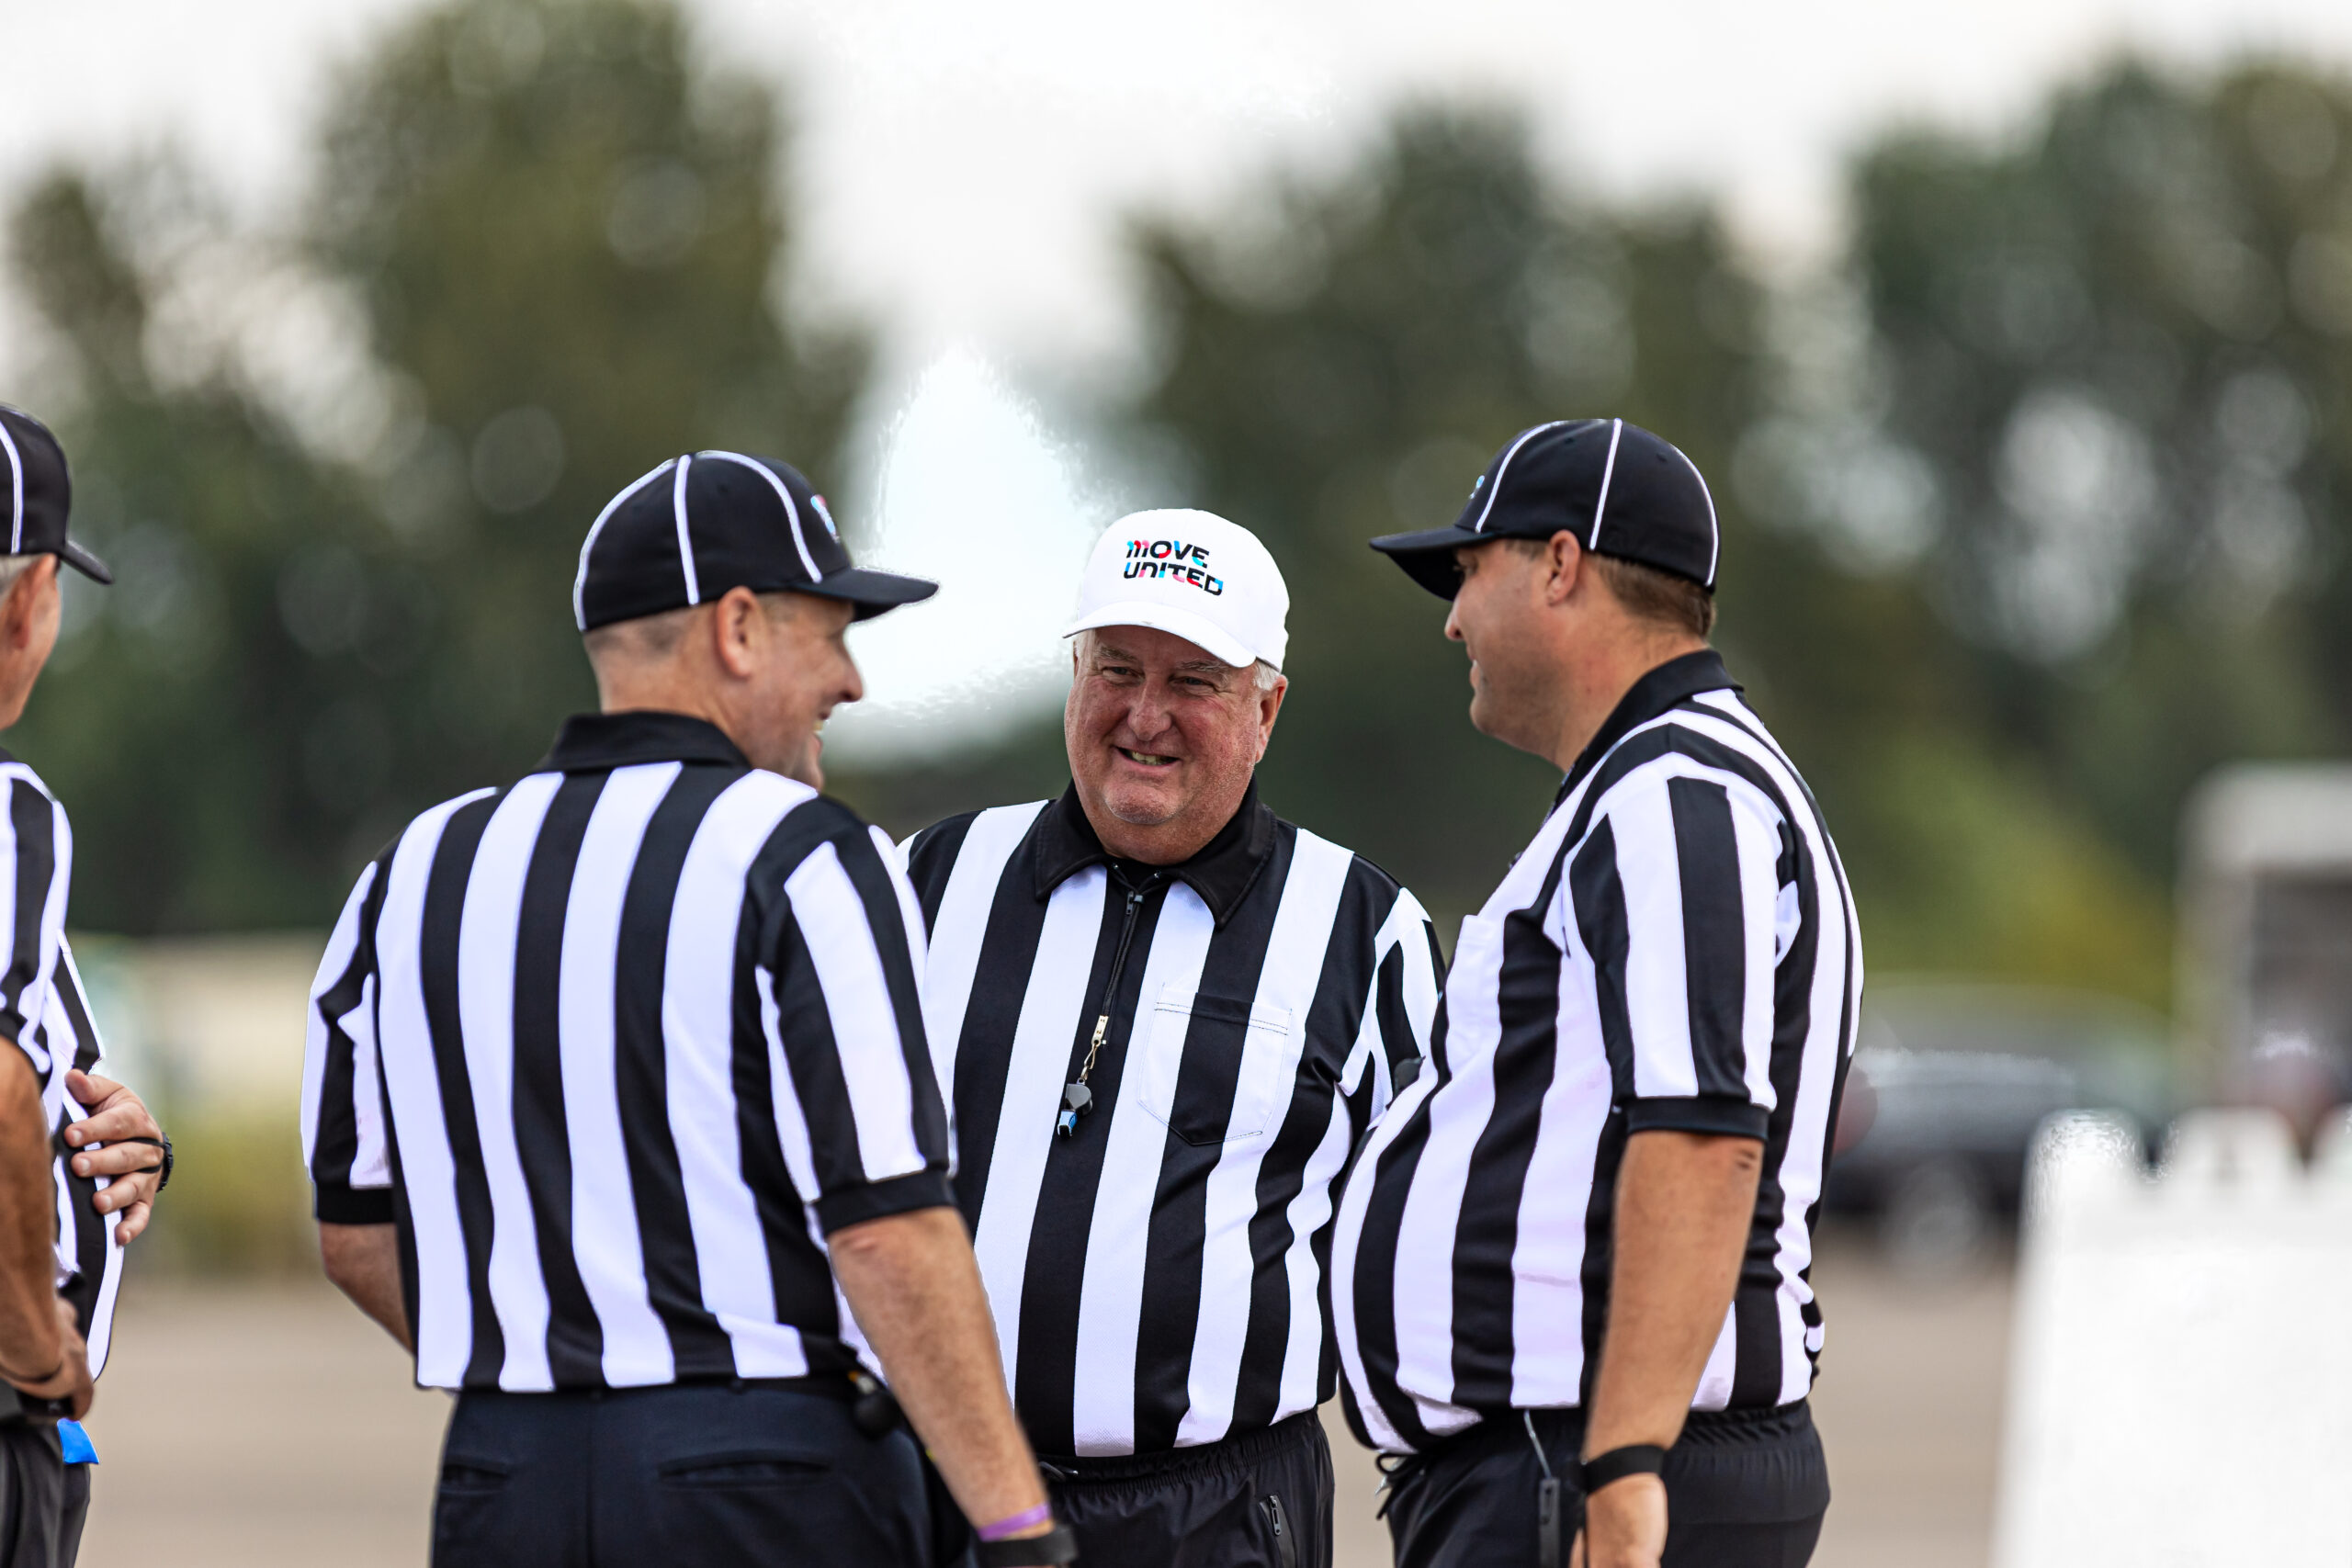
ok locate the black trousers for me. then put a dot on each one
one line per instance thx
(43, 1500)
(718, 1475)
(1261, 1500)
(1743, 1490)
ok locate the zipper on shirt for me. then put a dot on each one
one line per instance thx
(1077, 1099)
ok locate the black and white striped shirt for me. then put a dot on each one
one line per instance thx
(616, 1048)
(1157, 1277)
(44, 1009)
(1676, 950)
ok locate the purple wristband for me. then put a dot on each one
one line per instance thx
(1012, 1524)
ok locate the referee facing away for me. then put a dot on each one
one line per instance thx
(619, 1105)
(1166, 1017)
(1571, 1274)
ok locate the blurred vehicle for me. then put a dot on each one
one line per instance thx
(2267, 928)
(1948, 1083)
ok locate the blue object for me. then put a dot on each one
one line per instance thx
(75, 1443)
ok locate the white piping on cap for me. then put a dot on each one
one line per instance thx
(1504, 467)
(791, 513)
(580, 582)
(1715, 528)
(1608, 470)
(16, 493)
(685, 541)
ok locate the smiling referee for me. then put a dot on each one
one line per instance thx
(1572, 1265)
(619, 1103)
(1165, 1017)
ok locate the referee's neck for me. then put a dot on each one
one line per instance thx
(1596, 677)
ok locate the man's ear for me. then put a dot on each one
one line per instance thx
(1563, 567)
(16, 617)
(737, 631)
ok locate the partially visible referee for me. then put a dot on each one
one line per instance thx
(616, 1074)
(61, 1219)
(1572, 1266)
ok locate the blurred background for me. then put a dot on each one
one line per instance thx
(2016, 340)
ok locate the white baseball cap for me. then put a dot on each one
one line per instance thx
(1193, 575)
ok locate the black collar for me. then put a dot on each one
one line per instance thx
(1222, 872)
(1668, 686)
(591, 741)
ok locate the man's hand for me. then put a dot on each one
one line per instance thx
(71, 1382)
(134, 1169)
(1624, 1526)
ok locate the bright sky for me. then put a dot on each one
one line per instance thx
(962, 167)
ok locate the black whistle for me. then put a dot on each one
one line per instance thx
(1077, 1100)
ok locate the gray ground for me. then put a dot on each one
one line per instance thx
(258, 1426)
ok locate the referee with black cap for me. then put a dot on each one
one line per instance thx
(80, 1157)
(619, 1109)
(1570, 1278)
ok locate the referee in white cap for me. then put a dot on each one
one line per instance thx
(1571, 1270)
(619, 1105)
(1165, 1017)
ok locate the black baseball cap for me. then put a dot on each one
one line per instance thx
(37, 493)
(1620, 490)
(706, 521)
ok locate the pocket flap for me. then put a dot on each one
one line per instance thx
(1183, 1002)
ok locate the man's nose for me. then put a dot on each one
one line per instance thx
(853, 684)
(1453, 621)
(1151, 714)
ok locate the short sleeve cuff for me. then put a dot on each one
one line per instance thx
(336, 1204)
(879, 1199)
(1717, 1115)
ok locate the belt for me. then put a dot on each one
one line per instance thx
(1084, 1469)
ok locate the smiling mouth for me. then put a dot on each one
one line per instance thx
(1146, 757)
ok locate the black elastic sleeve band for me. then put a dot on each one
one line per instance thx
(1055, 1547)
(876, 1200)
(339, 1205)
(1633, 1459)
(1716, 1115)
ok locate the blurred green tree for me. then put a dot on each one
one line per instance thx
(2123, 347)
(554, 252)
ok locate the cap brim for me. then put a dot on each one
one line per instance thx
(85, 563)
(1198, 630)
(1428, 555)
(873, 593)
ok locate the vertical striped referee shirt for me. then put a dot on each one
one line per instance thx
(43, 1009)
(1156, 1278)
(1676, 950)
(615, 1049)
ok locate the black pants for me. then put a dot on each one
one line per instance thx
(1261, 1500)
(1743, 1490)
(691, 1476)
(43, 1500)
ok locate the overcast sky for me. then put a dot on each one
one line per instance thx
(961, 163)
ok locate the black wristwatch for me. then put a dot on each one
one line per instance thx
(1055, 1547)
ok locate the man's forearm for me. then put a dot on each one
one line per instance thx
(364, 1261)
(31, 1341)
(1683, 1207)
(916, 1290)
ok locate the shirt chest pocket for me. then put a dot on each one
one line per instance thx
(1216, 1069)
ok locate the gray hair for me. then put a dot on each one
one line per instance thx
(13, 568)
